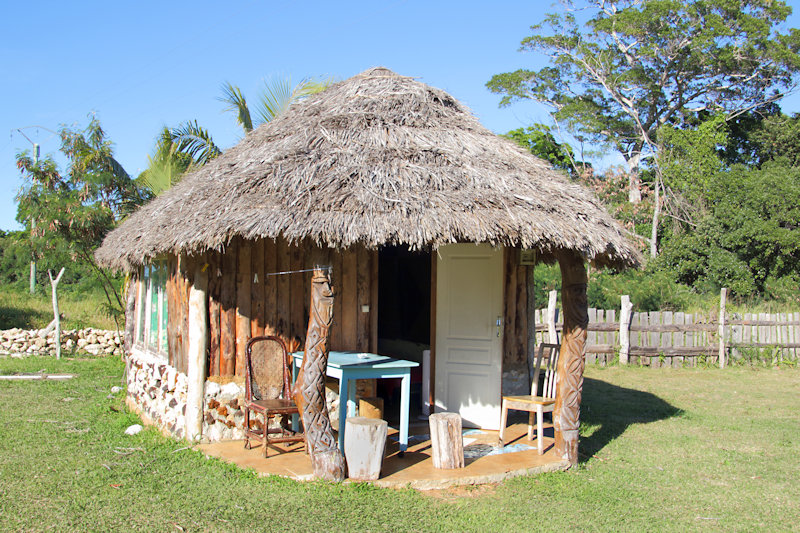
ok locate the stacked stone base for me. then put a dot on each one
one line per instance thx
(158, 392)
(22, 342)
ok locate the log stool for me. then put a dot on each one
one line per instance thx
(364, 444)
(447, 446)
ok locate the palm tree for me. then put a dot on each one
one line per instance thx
(189, 145)
(275, 98)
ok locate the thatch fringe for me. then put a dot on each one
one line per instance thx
(376, 159)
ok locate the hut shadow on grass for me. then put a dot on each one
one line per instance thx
(20, 317)
(614, 408)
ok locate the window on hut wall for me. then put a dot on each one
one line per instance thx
(151, 324)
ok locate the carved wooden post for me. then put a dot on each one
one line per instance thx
(309, 388)
(566, 416)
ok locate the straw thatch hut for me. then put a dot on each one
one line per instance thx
(423, 215)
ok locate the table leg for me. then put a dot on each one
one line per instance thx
(295, 417)
(343, 400)
(405, 392)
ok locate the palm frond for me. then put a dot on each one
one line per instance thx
(196, 142)
(161, 174)
(275, 98)
(232, 95)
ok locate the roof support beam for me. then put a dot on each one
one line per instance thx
(198, 342)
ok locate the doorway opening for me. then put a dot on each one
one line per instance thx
(404, 318)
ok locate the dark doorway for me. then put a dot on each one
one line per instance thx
(404, 316)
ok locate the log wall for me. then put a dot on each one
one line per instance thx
(246, 298)
(515, 297)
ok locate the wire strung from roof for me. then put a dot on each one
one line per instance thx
(328, 268)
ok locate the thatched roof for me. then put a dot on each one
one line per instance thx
(376, 159)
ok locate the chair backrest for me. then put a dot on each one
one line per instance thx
(266, 369)
(546, 361)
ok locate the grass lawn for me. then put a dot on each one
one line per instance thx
(81, 309)
(688, 449)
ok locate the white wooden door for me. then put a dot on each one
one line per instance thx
(469, 307)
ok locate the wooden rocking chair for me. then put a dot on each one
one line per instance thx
(536, 403)
(267, 392)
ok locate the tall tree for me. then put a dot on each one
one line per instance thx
(635, 65)
(77, 208)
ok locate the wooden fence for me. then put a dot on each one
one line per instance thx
(666, 338)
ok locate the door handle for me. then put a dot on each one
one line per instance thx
(499, 325)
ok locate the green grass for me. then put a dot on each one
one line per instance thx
(82, 309)
(686, 449)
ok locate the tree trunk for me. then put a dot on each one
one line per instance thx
(656, 214)
(634, 194)
(57, 317)
(566, 414)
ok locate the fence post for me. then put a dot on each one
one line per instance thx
(625, 329)
(552, 314)
(721, 332)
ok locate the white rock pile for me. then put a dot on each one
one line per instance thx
(21, 342)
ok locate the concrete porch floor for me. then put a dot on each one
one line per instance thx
(415, 469)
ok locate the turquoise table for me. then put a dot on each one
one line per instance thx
(350, 366)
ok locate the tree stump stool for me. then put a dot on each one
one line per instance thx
(364, 444)
(447, 446)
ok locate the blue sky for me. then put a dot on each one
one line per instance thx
(143, 65)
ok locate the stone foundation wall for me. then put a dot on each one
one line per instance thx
(21, 342)
(223, 417)
(157, 391)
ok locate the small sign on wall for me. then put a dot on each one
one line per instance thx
(527, 257)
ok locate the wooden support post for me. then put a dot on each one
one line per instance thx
(244, 280)
(364, 444)
(447, 445)
(626, 312)
(130, 314)
(566, 414)
(198, 340)
(552, 316)
(531, 348)
(721, 332)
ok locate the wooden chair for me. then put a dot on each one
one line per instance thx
(267, 392)
(536, 403)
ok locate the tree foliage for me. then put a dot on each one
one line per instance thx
(636, 65)
(750, 240)
(73, 210)
(539, 140)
